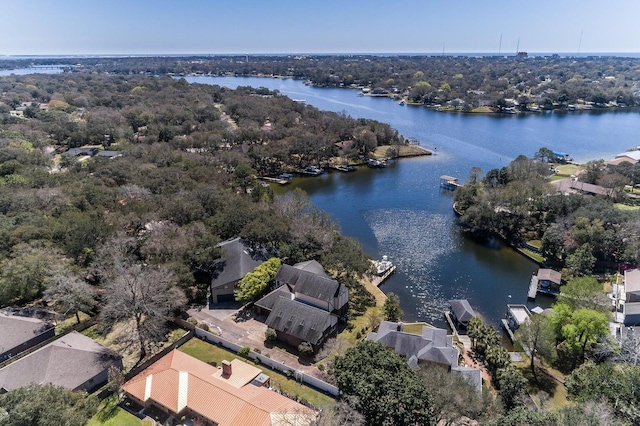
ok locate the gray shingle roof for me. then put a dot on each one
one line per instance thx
(313, 267)
(237, 261)
(549, 275)
(17, 330)
(269, 300)
(462, 309)
(297, 319)
(308, 283)
(433, 345)
(69, 361)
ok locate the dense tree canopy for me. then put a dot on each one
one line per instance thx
(387, 391)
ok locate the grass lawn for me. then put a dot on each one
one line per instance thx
(415, 328)
(564, 171)
(110, 414)
(210, 353)
(625, 207)
(70, 322)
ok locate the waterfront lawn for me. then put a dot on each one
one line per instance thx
(415, 328)
(209, 353)
(110, 414)
(626, 207)
(564, 171)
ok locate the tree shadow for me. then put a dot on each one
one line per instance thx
(544, 382)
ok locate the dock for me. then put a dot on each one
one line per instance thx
(533, 288)
(377, 280)
(275, 180)
(449, 182)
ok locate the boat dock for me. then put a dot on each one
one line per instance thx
(533, 288)
(379, 279)
(384, 269)
(275, 180)
(449, 182)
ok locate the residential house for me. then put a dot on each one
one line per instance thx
(631, 308)
(461, 312)
(433, 345)
(76, 152)
(572, 186)
(73, 361)
(21, 333)
(235, 394)
(238, 259)
(306, 305)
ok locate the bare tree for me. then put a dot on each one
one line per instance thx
(69, 294)
(141, 298)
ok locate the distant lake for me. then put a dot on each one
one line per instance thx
(401, 211)
(33, 70)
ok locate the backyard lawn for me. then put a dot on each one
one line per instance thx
(110, 414)
(210, 353)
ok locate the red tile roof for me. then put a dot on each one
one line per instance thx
(178, 381)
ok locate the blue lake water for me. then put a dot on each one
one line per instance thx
(401, 211)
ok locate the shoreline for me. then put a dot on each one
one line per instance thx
(439, 108)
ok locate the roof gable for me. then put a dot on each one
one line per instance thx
(17, 330)
(632, 280)
(238, 260)
(298, 319)
(462, 309)
(69, 361)
(308, 283)
(178, 380)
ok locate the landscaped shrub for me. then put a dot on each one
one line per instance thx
(305, 349)
(244, 351)
(270, 335)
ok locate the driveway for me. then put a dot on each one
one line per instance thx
(243, 327)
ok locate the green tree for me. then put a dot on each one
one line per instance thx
(305, 349)
(255, 283)
(579, 329)
(46, 405)
(244, 176)
(537, 338)
(391, 307)
(581, 261)
(512, 386)
(584, 292)
(388, 392)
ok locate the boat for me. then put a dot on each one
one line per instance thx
(376, 163)
(344, 168)
(383, 266)
(401, 102)
(312, 171)
(285, 176)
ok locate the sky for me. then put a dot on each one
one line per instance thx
(129, 27)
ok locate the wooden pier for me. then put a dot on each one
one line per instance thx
(379, 279)
(275, 180)
(533, 288)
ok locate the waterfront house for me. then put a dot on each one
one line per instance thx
(572, 186)
(236, 393)
(21, 333)
(73, 361)
(433, 345)
(306, 305)
(238, 259)
(461, 312)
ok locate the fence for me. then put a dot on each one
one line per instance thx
(273, 364)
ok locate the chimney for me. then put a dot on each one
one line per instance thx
(226, 368)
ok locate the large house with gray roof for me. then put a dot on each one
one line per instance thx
(73, 361)
(306, 305)
(238, 259)
(432, 345)
(21, 333)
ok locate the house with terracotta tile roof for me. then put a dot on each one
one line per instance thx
(233, 395)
